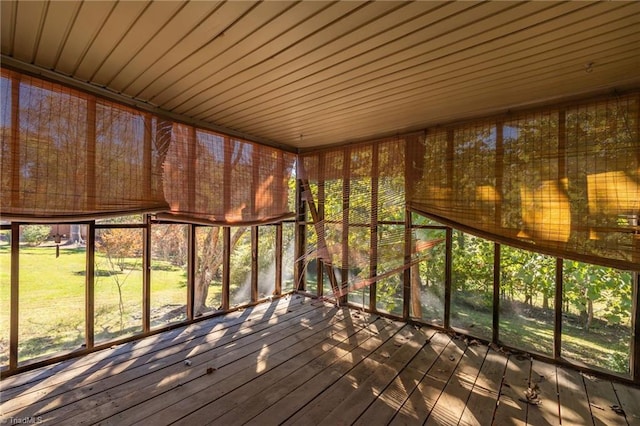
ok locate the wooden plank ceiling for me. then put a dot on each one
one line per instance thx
(306, 74)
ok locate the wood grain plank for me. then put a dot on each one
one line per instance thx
(574, 406)
(287, 407)
(23, 383)
(629, 398)
(418, 406)
(130, 380)
(246, 401)
(602, 397)
(94, 367)
(511, 409)
(356, 402)
(321, 406)
(544, 379)
(484, 396)
(394, 396)
(194, 396)
(244, 354)
(452, 402)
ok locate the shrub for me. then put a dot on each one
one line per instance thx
(34, 235)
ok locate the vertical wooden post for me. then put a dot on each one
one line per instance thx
(146, 275)
(15, 298)
(300, 242)
(279, 254)
(448, 283)
(192, 251)
(254, 263)
(496, 293)
(226, 265)
(562, 174)
(346, 192)
(447, 278)
(320, 218)
(406, 274)
(90, 285)
(557, 330)
(634, 362)
(373, 238)
(415, 152)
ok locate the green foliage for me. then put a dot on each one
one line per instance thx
(34, 235)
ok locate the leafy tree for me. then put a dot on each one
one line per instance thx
(118, 245)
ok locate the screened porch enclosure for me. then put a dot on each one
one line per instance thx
(320, 212)
(518, 230)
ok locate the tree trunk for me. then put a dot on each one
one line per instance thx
(545, 301)
(208, 265)
(589, 314)
(210, 262)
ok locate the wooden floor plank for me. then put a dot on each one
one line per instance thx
(305, 362)
(250, 400)
(629, 398)
(453, 399)
(111, 361)
(602, 399)
(356, 402)
(574, 405)
(483, 400)
(234, 392)
(228, 361)
(320, 407)
(418, 406)
(511, 409)
(124, 387)
(382, 410)
(292, 403)
(544, 383)
(50, 375)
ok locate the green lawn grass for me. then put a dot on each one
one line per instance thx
(52, 300)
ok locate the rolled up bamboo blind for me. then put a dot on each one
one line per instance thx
(215, 179)
(564, 182)
(68, 155)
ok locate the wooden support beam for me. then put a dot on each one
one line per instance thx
(146, 275)
(90, 285)
(226, 265)
(447, 278)
(373, 235)
(496, 293)
(191, 271)
(406, 273)
(557, 332)
(254, 264)
(279, 254)
(301, 240)
(15, 290)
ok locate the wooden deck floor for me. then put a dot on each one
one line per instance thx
(299, 361)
